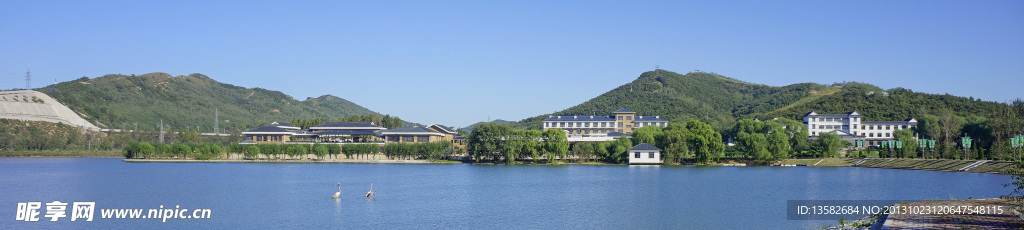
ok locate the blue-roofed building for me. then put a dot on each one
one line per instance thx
(598, 128)
(644, 154)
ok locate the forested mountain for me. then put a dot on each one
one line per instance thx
(469, 128)
(112, 100)
(896, 104)
(709, 97)
(719, 100)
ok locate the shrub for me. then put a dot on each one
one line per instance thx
(252, 151)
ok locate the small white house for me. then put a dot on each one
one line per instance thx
(644, 154)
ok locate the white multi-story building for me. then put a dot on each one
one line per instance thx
(851, 127)
(602, 128)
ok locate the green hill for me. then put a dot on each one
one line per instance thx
(469, 128)
(885, 105)
(719, 100)
(112, 100)
(712, 98)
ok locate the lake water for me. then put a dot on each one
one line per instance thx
(460, 196)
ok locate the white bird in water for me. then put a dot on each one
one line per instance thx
(337, 193)
(371, 192)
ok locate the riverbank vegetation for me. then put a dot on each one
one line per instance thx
(501, 143)
(438, 150)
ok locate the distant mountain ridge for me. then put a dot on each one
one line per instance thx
(720, 100)
(498, 121)
(113, 100)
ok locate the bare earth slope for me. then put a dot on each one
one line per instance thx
(30, 105)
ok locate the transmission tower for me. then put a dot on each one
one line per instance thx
(216, 121)
(28, 79)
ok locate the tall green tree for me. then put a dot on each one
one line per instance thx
(829, 144)
(754, 145)
(707, 144)
(647, 134)
(909, 148)
(778, 144)
(675, 146)
(555, 144)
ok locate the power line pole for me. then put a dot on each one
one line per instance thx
(161, 131)
(28, 79)
(216, 121)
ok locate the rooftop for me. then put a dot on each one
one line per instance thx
(852, 113)
(269, 129)
(349, 125)
(345, 132)
(412, 131)
(649, 118)
(580, 118)
(644, 146)
(445, 129)
(624, 110)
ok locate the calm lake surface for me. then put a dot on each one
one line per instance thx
(460, 196)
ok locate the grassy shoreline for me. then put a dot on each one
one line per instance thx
(63, 153)
(356, 161)
(945, 165)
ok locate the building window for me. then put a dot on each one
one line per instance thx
(887, 127)
(392, 138)
(423, 138)
(604, 124)
(636, 155)
(620, 130)
(620, 117)
(620, 124)
(854, 126)
(629, 126)
(408, 139)
(650, 155)
(562, 124)
(887, 134)
(587, 124)
(871, 134)
(629, 117)
(821, 127)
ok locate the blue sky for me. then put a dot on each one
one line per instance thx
(458, 62)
